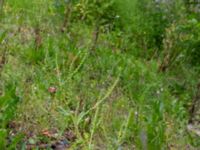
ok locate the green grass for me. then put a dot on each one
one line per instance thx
(110, 100)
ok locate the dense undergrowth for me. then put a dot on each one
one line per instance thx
(111, 74)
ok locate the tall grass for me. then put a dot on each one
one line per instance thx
(115, 99)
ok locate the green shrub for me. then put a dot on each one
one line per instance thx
(146, 21)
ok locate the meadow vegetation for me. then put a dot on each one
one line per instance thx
(99, 75)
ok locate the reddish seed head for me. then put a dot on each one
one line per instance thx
(52, 90)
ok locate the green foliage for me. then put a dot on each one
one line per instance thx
(181, 42)
(3, 136)
(146, 21)
(133, 93)
(192, 29)
(101, 11)
(8, 104)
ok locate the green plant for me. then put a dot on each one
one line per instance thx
(8, 104)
